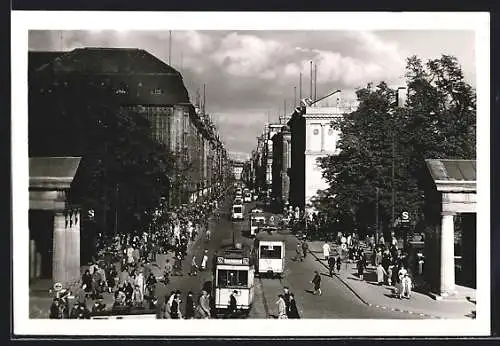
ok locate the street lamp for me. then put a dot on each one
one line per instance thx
(376, 216)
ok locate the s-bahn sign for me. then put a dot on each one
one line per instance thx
(405, 217)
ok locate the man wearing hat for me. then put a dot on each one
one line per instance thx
(286, 297)
(232, 304)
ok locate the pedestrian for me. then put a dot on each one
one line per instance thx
(232, 305)
(286, 297)
(361, 266)
(326, 250)
(331, 265)
(406, 285)
(316, 281)
(204, 260)
(298, 250)
(293, 312)
(175, 311)
(204, 306)
(305, 247)
(281, 307)
(338, 262)
(381, 273)
(194, 267)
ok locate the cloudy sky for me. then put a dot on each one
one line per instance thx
(249, 74)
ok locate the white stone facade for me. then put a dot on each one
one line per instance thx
(321, 141)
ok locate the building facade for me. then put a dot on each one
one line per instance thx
(134, 81)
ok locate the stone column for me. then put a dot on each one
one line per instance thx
(73, 246)
(447, 285)
(32, 259)
(59, 248)
(322, 133)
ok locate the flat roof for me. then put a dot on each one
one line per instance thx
(453, 174)
(52, 172)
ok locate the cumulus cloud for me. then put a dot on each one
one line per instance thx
(247, 55)
(249, 73)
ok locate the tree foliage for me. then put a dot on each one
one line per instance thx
(438, 121)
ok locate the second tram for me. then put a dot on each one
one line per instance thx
(269, 253)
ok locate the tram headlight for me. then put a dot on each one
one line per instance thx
(246, 260)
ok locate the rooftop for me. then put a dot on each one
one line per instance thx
(52, 172)
(460, 174)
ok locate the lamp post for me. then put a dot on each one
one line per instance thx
(376, 216)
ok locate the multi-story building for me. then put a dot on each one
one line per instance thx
(313, 137)
(135, 81)
(281, 166)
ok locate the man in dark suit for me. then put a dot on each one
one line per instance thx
(232, 305)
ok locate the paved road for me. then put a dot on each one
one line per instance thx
(337, 301)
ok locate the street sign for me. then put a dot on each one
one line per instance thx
(405, 216)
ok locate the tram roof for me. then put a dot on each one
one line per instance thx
(269, 236)
(229, 251)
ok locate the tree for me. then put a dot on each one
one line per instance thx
(437, 121)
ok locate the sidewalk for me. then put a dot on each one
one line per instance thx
(370, 293)
(40, 299)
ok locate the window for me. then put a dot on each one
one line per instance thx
(271, 253)
(232, 278)
(237, 210)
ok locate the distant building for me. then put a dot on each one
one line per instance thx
(281, 166)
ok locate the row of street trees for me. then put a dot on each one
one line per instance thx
(383, 146)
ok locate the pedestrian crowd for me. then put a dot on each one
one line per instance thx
(391, 263)
(126, 265)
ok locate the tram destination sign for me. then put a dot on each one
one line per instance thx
(233, 261)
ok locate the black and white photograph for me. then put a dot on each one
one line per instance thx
(247, 168)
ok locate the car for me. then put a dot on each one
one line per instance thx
(257, 211)
(247, 198)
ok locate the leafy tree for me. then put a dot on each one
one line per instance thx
(438, 121)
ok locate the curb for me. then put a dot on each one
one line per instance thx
(341, 280)
(375, 305)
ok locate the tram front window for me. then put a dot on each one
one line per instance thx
(231, 278)
(270, 253)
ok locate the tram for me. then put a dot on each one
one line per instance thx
(233, 271)
(269, 253)
(256, 220)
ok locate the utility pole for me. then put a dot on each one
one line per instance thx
(311, 80)
(315, 80)
(116, 208)
(294, 97)
(300, 87)
(204, 98)
(169, 46)
(393, 197)
(376, 218)
(284, 107)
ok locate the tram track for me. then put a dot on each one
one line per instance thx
(265, 297)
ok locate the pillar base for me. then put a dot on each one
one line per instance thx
(448, 295)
